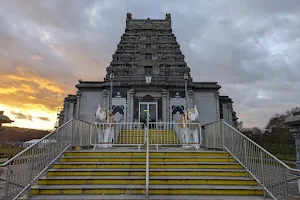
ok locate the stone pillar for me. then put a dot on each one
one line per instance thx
(217, 97)
(229, 106)
(191, 98)
(296, 134)
(66, 111)
(164, 104)
(130, 105)
(105, 99)
(71, 111)
(78, 96)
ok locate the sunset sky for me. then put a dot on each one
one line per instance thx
(251, 48)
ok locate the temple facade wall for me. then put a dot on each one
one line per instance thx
(206, 103)
(89, 102)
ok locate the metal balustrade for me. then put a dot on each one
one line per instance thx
(24, 168)
(106, 135)
(270, 172)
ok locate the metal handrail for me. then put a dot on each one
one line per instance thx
(117, 134)
(38, 157)
(147, 163)
(177, 137)
(263, 149)
(34, 144)
(270, 172)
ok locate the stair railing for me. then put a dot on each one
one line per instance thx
(147, 161)
(117, 134)
(174, 134)
(270, 172)
(23, 169)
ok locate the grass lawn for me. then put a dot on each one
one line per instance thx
(9, 151)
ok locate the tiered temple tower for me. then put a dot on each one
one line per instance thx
(148, 48)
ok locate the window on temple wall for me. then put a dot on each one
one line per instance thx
(148, 46)
(148, 70)
(148, 56)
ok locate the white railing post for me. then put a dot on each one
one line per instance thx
(222, 133)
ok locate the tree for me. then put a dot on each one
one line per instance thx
(276, 121)
(240, 125)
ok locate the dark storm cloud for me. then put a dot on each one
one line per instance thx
(250, 47)
(44, 118)
(19, 115)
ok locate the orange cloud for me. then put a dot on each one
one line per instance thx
(32, 100)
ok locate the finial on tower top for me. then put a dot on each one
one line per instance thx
(129, 16)
(168, 16)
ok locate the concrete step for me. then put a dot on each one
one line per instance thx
(139, 197)
(154, 180)
(116, 152)
(185, 165)
(143, 159)
(153, 189)
(151, 156)
(142, 172)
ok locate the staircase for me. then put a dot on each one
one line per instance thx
(155, 137)
(120, 174)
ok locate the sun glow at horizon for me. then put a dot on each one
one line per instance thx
(30, 100)
(33, 120)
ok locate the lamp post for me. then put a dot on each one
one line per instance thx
(111, 76)
(294, 123)
(186, 77)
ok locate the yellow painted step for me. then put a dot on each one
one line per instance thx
(91, 182)
(86, 191)
(195, 166)
(207, 192)
(143, 159)
(183, 153)
(96, 173)
(107, 153)
(194, 153)
(74, 165)
(152, 173)
(125, 181)
(98, 166)
(197, 173)
(106, 159)
(136, 189)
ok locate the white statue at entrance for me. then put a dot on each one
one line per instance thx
(105, 131)
(176, 118)
(189, 132)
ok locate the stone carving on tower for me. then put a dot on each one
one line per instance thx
(148, 46)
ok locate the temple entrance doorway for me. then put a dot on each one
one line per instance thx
(150, 109)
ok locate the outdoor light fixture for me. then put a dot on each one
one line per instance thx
(186, 77)
(111, 76)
